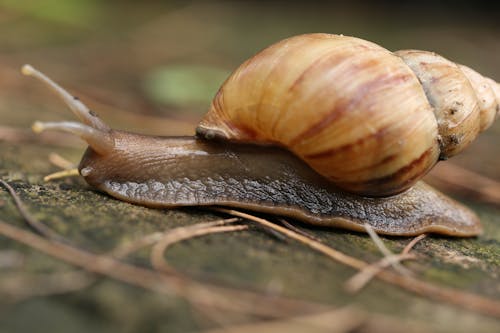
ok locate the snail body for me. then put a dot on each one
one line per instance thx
(336, 136)
(264, 179)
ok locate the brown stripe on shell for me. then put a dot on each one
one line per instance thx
(282, 53)
(216, 102)
(343, 106)
(327, 60)
(373, 186)
(385, 160)
(245, 132)
(319, 62)
(337, 150)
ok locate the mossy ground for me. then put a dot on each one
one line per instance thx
(251, 259)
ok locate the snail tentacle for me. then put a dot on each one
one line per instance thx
(100, 141)
(83, 113)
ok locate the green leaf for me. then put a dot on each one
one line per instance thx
(184, 85)
(71, 12)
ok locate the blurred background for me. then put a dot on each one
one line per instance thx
(136, 61)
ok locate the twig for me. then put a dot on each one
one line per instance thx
(269, 231)
(332, 253)
(32, 222)
(455, 179)
(342, 320)
(298, 230)
(93, 263)
(413, 242)
(60, 161)
(197, 293)
(150, 239)
(393, 261)
(459, 298)
(126, 249)
(194, 292)
(20, 287)
(68, 168)
(158, 251)
(237, 300)
(359, 280)
(61, 174)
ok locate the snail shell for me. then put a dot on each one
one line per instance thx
(371, 121)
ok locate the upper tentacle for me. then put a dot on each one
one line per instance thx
(83, 113)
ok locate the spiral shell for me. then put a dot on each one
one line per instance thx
(371, 121)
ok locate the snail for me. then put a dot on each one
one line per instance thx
(327, 129)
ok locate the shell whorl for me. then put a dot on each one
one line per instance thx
(464, 102)
(370, 120)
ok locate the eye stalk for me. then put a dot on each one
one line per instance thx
(92, 129)
(101, 142)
